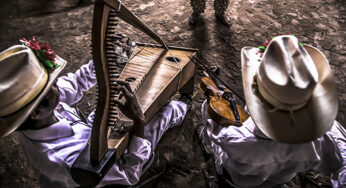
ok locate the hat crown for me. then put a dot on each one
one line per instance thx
(22, 78)
(32, 82)
(287, 73)
(289, 123)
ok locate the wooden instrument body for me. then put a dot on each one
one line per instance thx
(165, 79)
(162, 81)
(218, 108)
(106, 13)
(155, 76)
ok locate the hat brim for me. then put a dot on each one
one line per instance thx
(12, 122)
(305, 124)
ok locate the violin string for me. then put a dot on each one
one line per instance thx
(204, 65)
(223, 73)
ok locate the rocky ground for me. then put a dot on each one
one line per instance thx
(66, 26)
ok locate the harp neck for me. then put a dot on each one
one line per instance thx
(126, 15)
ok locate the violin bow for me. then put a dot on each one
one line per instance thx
(217, 79)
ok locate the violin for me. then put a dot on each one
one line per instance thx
(221, 107)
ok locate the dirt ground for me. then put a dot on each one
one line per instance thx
(66, 26)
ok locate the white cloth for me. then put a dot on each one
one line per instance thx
(254, 160)
(52, 150)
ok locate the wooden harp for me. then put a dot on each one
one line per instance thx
(163, 74)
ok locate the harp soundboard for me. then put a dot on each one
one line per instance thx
(155, 73)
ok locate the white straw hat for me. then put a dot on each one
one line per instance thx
(290, 91)
(24, 81)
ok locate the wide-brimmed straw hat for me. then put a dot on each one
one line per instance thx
(289, 90)
(24, 81)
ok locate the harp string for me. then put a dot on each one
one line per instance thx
(149, 55)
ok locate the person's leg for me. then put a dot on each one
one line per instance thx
(198, 7)
(220, 7)
(338, 132)
(211, 149)
(218, 155)
(208, 145)
(168, 116)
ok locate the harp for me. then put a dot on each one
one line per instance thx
(155, 72)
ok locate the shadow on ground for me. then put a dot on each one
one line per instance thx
(66, 26)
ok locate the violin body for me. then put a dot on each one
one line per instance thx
(219, 109)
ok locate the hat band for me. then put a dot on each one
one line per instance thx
(276, 103)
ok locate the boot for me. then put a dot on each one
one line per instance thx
(194, 18)
(225, 20)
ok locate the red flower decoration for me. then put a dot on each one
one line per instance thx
(43, 51)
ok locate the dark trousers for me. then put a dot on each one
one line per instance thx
(198, 6)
